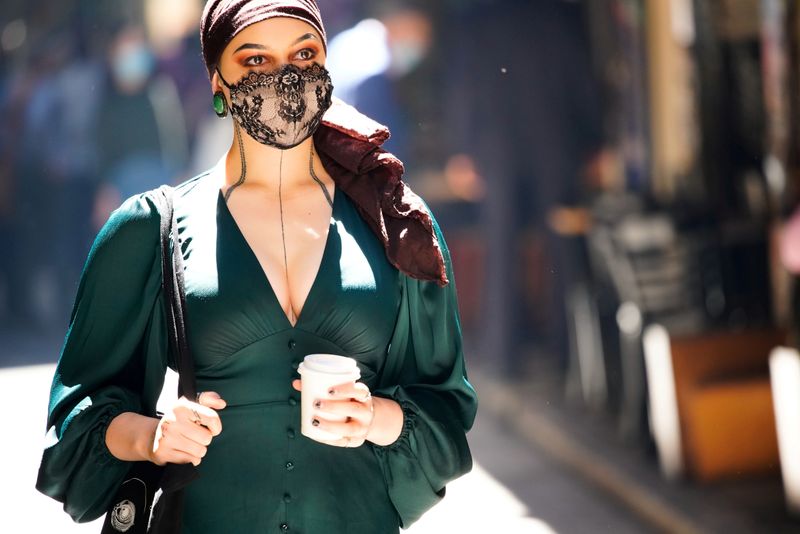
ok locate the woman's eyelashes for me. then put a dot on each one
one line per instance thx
(306, 54)
(254, 61)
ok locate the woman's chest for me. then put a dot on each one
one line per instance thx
(287, 237)
(232, 309)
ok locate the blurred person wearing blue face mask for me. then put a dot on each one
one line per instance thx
(141, 126)
(393, 97)
(408, 36)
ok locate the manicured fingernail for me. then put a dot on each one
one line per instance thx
(315, 422)
(331, 391)
(317, 404)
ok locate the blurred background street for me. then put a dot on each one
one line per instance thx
(618, 182)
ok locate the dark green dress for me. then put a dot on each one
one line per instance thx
(260, 473)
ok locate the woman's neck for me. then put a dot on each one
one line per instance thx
(267, 166)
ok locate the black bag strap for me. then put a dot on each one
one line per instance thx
(154, 492)
(176, 476)
(175, 295)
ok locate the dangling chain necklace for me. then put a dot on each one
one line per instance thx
(293, 318)
(242, 178)
(243, 165)
(316, 179)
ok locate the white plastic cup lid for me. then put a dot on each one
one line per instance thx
(329, 364)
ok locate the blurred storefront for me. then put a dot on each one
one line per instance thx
(674, 328)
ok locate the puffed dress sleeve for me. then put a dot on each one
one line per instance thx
(113, 360)
(425, 373)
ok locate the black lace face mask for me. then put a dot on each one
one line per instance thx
(281, 108)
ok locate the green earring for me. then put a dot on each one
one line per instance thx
(220, 106)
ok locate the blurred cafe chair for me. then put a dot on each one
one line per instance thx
(661, 273)
(586, 373)
(711, 402)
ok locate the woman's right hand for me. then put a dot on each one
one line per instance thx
(184, 433)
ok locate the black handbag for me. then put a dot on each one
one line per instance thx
(150, 499)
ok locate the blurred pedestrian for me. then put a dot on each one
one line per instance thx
(56, 177)
(141, 133)
(408, 35)
(790, 244)
(172, 38)
(789, 253)
(530, 121)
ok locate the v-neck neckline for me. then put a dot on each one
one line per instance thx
(269, 287)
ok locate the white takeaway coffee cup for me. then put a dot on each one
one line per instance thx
(320, 372)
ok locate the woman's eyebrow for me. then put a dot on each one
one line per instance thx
(247, 46)
(255, 46)
(304, 37)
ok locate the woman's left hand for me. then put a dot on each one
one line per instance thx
(368, 418)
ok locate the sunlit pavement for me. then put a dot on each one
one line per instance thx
(512, 489)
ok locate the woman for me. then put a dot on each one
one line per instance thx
(302, 239)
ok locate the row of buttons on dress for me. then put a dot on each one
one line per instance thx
(291, 434)
(292, 344)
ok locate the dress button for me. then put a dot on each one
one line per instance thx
(292, 343)
(290, 433)
(287, 498)
(289, 465)
(292, 401)
(284, 527)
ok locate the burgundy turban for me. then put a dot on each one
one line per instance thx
(223, 19)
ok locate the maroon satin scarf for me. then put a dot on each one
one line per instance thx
(349, 144)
